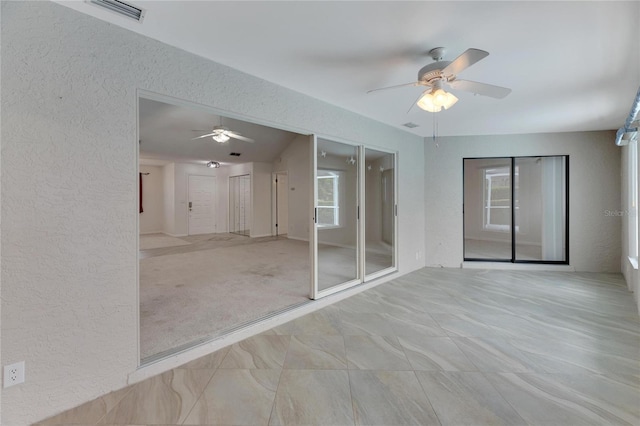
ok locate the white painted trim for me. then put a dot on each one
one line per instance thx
(380, 273)
(517, 266)
(153, 232)
(633, 261)
(306, 240)
(136, 148)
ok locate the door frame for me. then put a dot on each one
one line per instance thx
(274, 200)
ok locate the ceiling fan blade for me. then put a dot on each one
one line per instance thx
(480, 88)
(203, 136)
(237, 136)
(464, 61)
(415, 83)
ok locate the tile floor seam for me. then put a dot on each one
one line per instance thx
(464, 354)
(404, 351)
(275, 394)
(199, 396)
(353, 403)
(424, 391)
(106, 413)
(485, 374)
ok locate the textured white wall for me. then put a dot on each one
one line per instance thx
(295, 159)
(69, 225)
(594, 181)
(261, 199)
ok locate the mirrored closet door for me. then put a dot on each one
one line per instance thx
(336, 235)
(240, 205)
(379, 213)
(353, 233)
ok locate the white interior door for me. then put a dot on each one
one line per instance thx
(202, 205)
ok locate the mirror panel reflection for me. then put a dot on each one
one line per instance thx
(210, 258)
(541, 218)
(380, 211)
(337, 213)
(487, 208)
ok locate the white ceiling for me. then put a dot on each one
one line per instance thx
(572, 65)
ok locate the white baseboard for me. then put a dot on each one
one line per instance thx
(517, 266)
(176, 235)
(151, 232)
(261, 235)
(291, 237)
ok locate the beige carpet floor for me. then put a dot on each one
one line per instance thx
(152, 241)
(193, 295)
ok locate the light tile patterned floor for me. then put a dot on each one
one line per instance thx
(437, 346)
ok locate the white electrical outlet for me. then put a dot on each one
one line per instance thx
(13, 374)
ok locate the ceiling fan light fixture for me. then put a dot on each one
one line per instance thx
(436, 100)
(220, 137)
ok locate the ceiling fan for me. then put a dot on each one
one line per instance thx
(443, 74)
(222, 134)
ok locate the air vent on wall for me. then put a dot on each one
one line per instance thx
(121, 8)
(235, 154)
(410, 125)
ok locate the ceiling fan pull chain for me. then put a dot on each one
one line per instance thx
(435, 129)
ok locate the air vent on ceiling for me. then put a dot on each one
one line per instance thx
(235, 154)
(121, 8)
(410, 125)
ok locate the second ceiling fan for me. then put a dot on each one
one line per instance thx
(222, 134)
(442, 74)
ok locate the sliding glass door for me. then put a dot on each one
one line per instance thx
(516, 209)
(353, 235)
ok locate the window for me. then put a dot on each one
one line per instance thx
(328, 199)
(497, 198)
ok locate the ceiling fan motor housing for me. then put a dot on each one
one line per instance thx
(433, 71)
